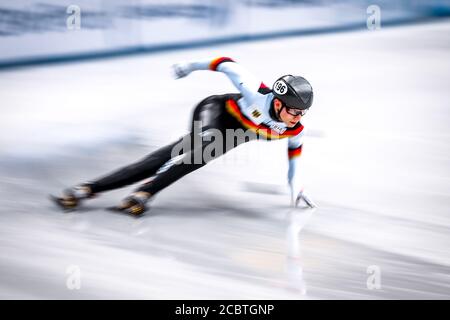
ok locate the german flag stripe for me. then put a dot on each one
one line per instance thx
(263, 130)
(234, 110)
(215, 63)
(292, 153)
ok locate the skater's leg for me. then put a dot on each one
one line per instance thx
(135, 204)
(166, 178)
(209, 114)
(135, 172)
(122, 177)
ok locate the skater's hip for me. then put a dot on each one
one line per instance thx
(211, 112)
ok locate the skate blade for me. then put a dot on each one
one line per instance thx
(124, 211)
(58, 202)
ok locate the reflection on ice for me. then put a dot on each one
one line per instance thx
(296, 220)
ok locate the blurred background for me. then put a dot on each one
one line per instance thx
(86, 87)
(36, 31)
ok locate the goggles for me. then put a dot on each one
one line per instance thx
(295, 112)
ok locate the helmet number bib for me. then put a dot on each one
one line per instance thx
(280, 87)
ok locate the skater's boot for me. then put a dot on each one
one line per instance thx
(72, 197)
(134, 204)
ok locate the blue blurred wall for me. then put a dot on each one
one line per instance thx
(36, 32)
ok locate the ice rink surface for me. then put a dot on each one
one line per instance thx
(376, 161)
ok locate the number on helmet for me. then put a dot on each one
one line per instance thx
(280, 87)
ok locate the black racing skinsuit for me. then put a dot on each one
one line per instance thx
(213, 114)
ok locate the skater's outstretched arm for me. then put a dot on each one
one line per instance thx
(242, 79)
(295, 145)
